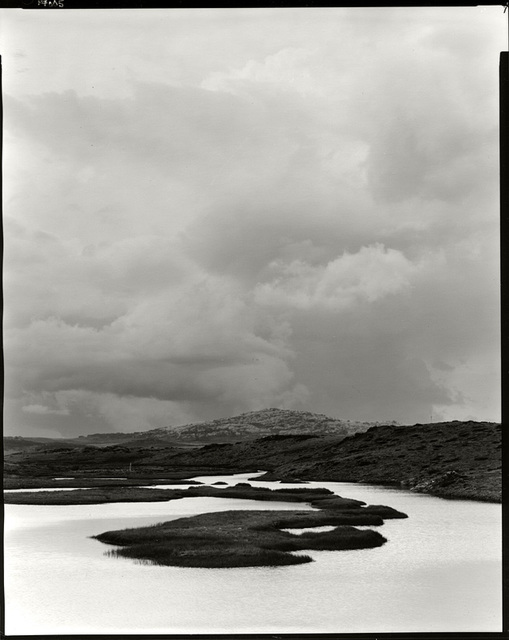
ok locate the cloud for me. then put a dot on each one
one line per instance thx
(368, 275)
(285, 69)
(304, 216)
(375, 375)
(44, 410)
(194, 344)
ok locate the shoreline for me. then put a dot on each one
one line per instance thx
(98, 491)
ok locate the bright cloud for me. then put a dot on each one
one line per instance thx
(368, 275)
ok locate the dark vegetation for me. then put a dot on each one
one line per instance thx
(240, 539)
(254, 538)
(321, 498)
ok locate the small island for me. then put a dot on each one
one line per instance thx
(253, 538)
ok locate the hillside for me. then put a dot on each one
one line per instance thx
(246, 426)
(18, 443)
(150, 451)
(453, 459)
(258, 424)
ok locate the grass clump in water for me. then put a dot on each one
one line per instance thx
(241, 538)
(322, 498)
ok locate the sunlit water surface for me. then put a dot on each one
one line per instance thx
(439, 571)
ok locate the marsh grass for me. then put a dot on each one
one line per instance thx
(96, 495)
(104, 494)
(241, 538)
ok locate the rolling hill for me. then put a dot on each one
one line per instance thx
(246, 426)
(258, 424)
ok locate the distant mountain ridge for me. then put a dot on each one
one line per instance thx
(240, 428)
(266, 422)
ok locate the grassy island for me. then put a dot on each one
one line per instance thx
(253, 538)
(239, 539)
(321, 498)
(318, 498)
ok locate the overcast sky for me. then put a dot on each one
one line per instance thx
(208, 212)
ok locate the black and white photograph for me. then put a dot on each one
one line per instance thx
(252, 320)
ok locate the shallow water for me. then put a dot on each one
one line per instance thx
(323, 529)
(439, 571)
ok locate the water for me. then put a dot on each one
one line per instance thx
(440, 571)
(298, 532)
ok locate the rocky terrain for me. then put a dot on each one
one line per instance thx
(257, 424)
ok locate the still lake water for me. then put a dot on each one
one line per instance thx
(440, 571)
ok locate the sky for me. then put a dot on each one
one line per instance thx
(213, 211)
